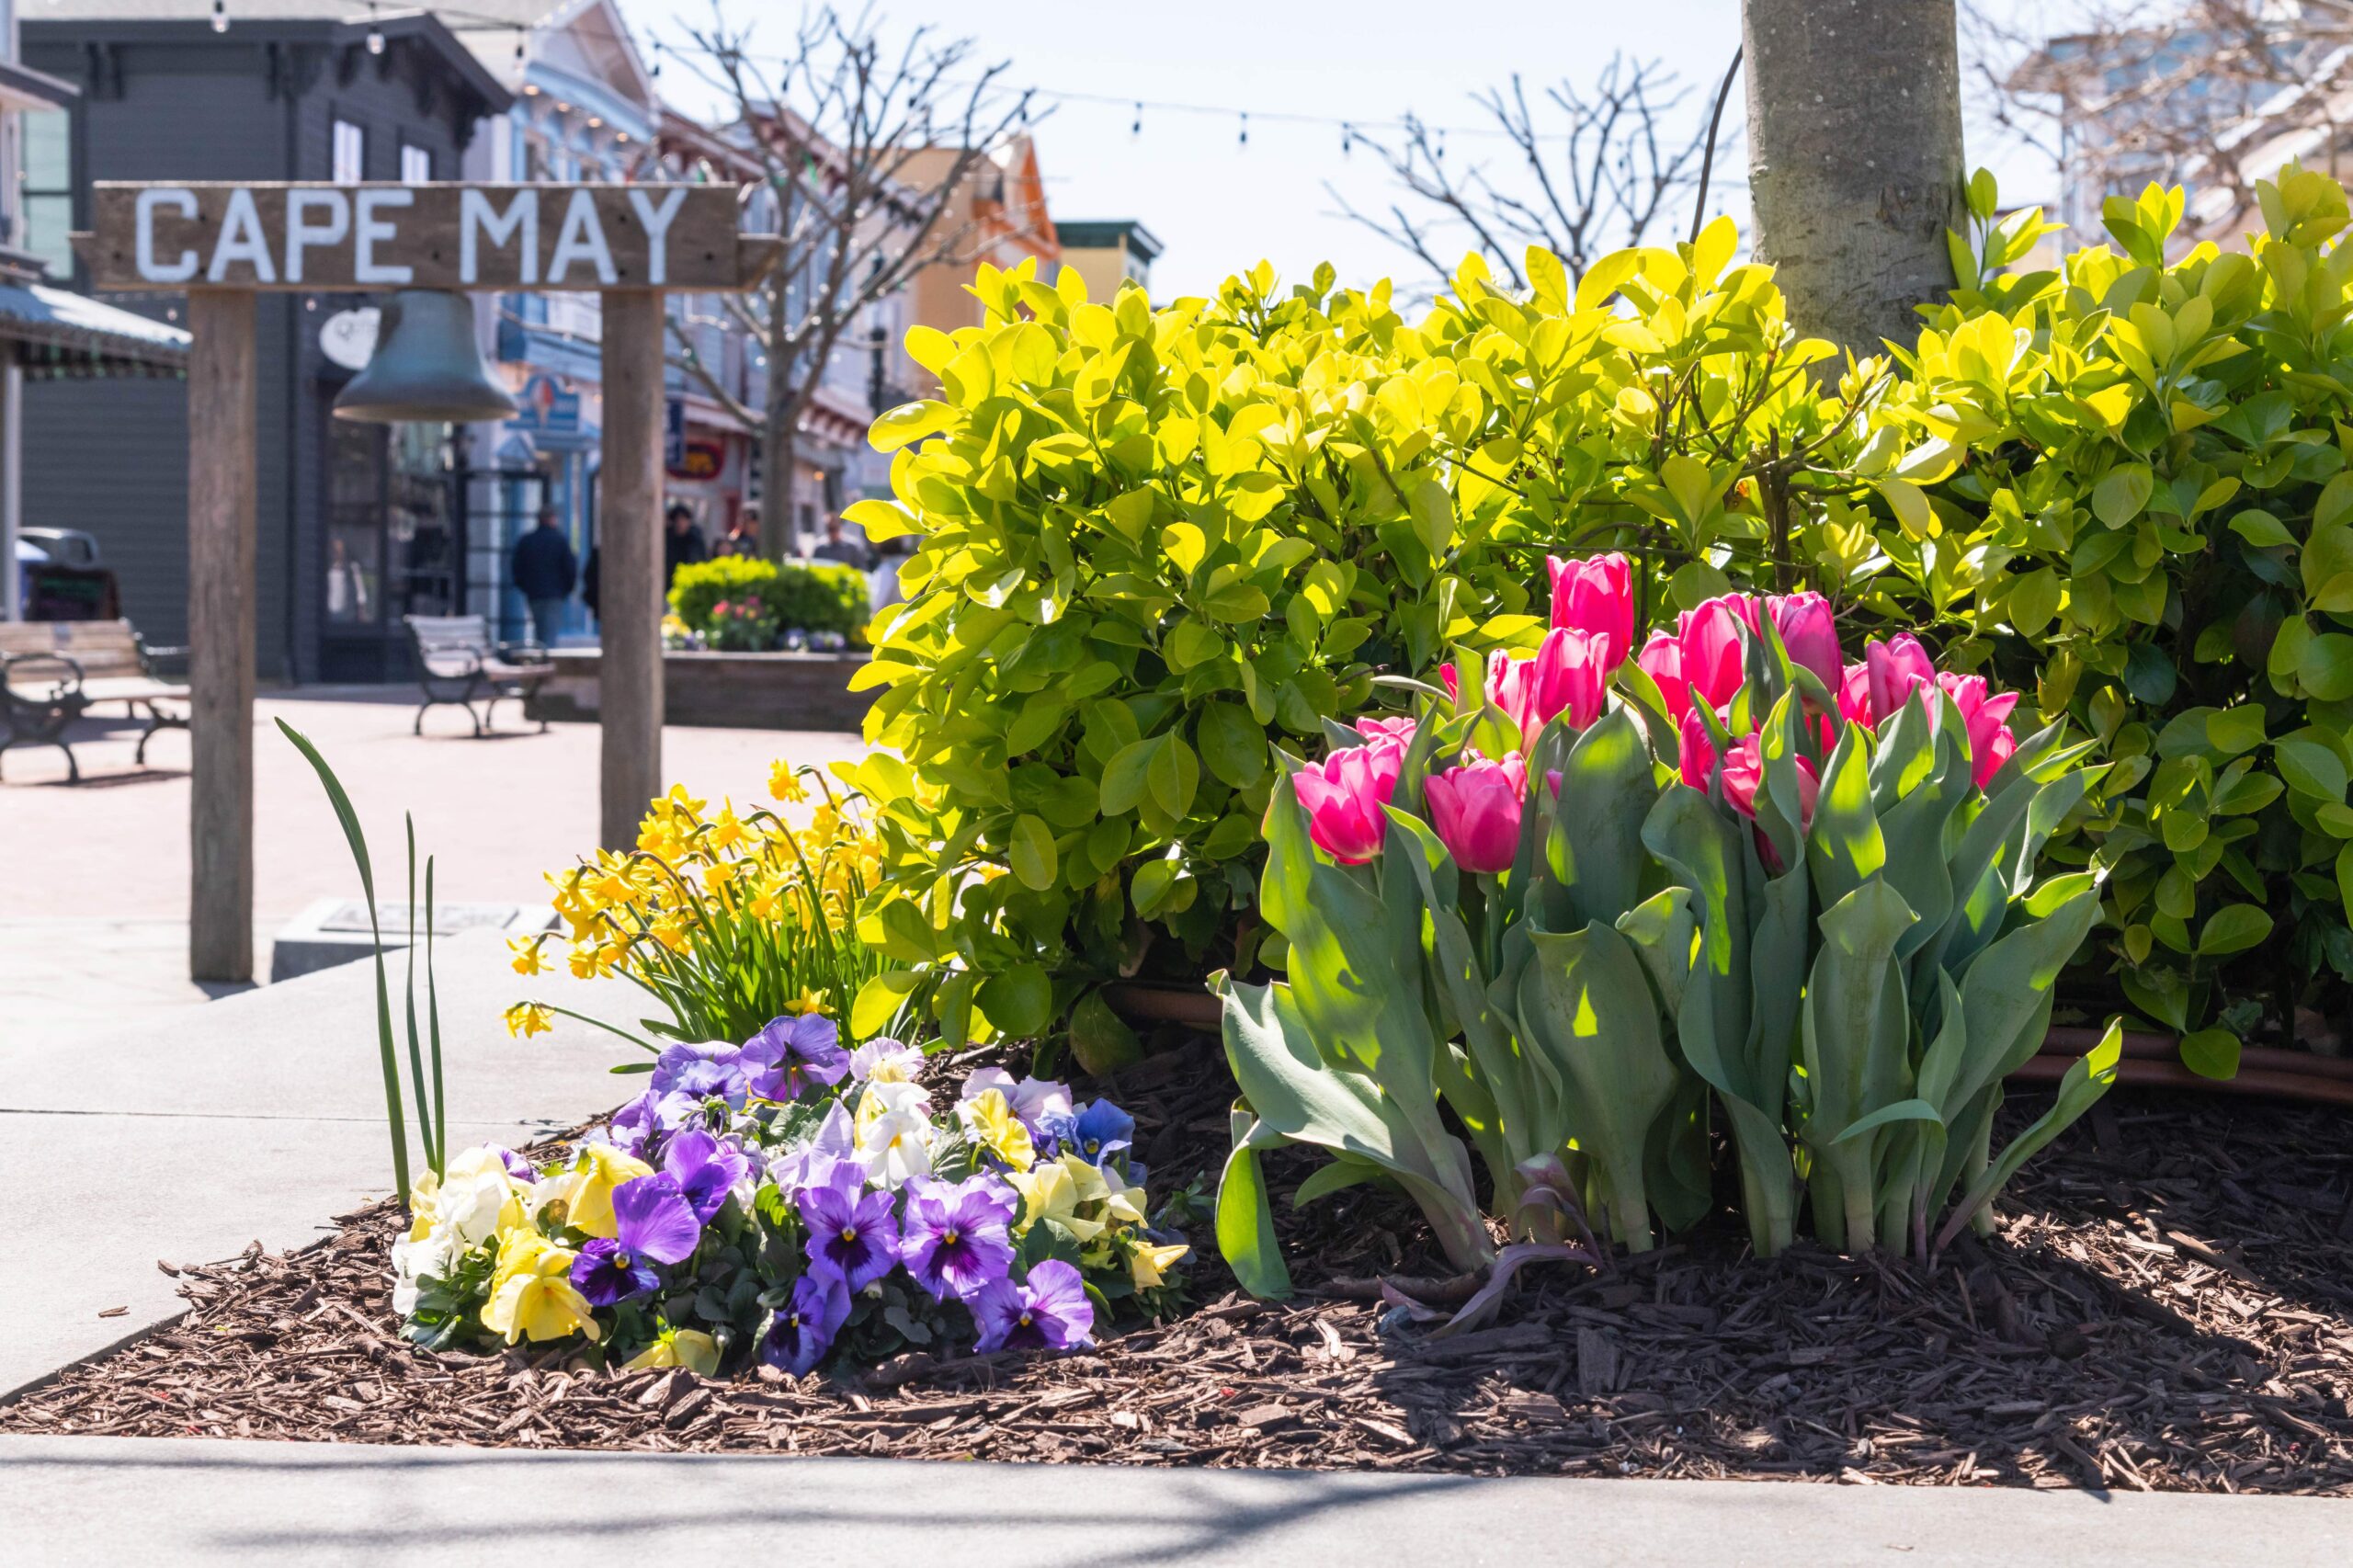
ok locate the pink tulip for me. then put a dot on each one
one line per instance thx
(1895, 669)
(1991, 744)
(1570, 674)
(1698, 750)
(1475, 808)
(1855, 696)
(1342, 796)
(1808, 633)
(1596, 595)
(1399, 730)
(1713, 659)
(1745, 775)
(1662, 660)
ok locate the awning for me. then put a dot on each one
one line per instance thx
(60, 334)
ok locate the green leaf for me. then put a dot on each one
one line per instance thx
(2085, 1080)
(1232, 743)
(2309, 767)
(2326, 666)
(911, 422)
(1032, 854)
(880, 999)
(1340, 1175)
(1124, 777)
(1100, 1039)
(2234, 730)
(2234, 929)
(2211, 1053)
(2261, 529)
(1172, 777)
(1245, 1220)
(1020, 1002)
(2119, 497)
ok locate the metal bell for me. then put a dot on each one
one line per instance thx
(426, 367)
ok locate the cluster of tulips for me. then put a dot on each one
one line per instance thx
(1696, 674)
(1601, 896)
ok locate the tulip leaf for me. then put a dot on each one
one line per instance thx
(2085, 1080)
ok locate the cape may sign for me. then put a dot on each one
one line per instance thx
(329, 238)
(224, 243)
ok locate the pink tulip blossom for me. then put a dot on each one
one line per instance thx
(1745, 775)
(1342, 796)
(1893, 671)
(1713, 656)
(1991, 744)
(1808, 631)
(1596, 595)
(1567, 675)
(1475, 808)
(1697, 757)
(1662, 660)
(1400, 729)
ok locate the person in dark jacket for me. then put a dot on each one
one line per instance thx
(544, 570)
(682, 543)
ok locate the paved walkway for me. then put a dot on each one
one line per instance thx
(186, 1133)
(108, 1500)
(94, 901)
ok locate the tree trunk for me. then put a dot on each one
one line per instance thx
(779, 456)
(1854, 159)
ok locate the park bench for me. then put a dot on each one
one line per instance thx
(52, 672)
(458, 663)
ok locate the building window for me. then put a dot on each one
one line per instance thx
(49, 191)
(417, 165)
(350, 151)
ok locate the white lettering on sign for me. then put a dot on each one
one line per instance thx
(302, 233)
(242, 240)
(477, 219)
(657, 222)
(365, 268)
(582, 238)
(180, 201)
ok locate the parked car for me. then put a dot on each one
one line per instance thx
(60, 547)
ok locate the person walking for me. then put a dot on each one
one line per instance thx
(839, 547)
(682, 543)
(544, 570)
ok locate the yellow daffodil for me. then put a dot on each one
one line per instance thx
(526, 1018)
(678, 803)
(808, 1002)
(1048, 1193)
(531, 1295)
(785, 784)
(990, 1122)
(585, 1186)
(727, 830)
(691, 1348)
(526, 954)
(1149, 1264)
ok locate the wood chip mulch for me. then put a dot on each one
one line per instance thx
(2167, 1306)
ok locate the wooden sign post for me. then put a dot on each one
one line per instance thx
(222, 242)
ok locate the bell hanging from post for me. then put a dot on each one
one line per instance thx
(426, 367)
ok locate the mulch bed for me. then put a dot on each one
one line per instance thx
(2167, 1306)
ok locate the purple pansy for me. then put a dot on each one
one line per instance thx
(649, 1116)
(701, 1068)
(516, 1165)
(792, 1056)
(706, 1169)
(1050, 1311)
(954, 1238)
(652, 1224)
(850, 1235)
(816, 1163)
(803, 1329)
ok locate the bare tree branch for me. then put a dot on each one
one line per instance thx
(862, 152)
(1590, 171)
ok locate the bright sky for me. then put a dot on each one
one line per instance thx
(1217, 205)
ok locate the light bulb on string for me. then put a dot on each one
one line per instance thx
(375, 33)
(1137, 129)
(1441, 144)
(658, 59)
(219, 16)
(1344, 138)
(1244, 142)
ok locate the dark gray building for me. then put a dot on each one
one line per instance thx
(359, 524)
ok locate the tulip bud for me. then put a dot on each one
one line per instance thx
(1342, 796)
(1596, 597)
(1475, 808)
(1809, 633)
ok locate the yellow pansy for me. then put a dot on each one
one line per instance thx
(1120, 1203)
(585, 1186)
(691, 1348)
(993, 1125)
(530, 1291)
(1149, 1264)
(526, 1018)
(1048, 1193)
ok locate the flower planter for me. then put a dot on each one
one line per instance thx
(736, 691)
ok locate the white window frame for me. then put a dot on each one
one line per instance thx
(348, 152)
(417, 164)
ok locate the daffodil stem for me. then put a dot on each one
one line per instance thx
(642, 1044)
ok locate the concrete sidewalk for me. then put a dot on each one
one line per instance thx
(185, 1133)
(108, 1500)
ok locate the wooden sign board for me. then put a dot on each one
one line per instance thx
(332, 238)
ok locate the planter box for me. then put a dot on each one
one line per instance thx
(728, 691)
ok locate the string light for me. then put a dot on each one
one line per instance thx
(375, 33)
(1345, 139)
(1244, 142)
(657, 59)
(219, 16)
(1135, 130)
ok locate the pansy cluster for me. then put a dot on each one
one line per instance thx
(794, 1202)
